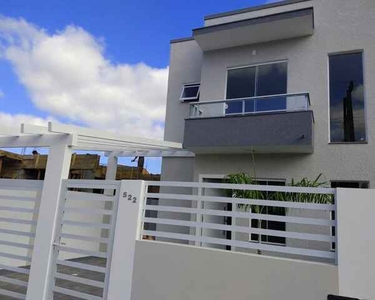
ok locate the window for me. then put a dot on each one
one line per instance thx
(261, 80)
(190, 92)
(347, 111)
(270, 225)
(348, 185)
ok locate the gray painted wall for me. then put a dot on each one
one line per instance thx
(286, 131)
(196, 273)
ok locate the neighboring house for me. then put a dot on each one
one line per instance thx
(83, 166)
(279, 91)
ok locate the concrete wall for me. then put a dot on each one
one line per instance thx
(184, 68)
(356, 242)
(169, 272)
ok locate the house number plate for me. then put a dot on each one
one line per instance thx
(130, 197)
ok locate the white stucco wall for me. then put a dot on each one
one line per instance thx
(340, 26)
(356, 243)
(170, 272)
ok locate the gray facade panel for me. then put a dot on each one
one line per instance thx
(266, 131)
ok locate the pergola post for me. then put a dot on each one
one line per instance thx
(111, 167)
(58, 166)
(109, 175)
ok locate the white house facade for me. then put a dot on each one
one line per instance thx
(279, 91)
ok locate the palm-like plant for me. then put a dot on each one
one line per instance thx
(243, 178)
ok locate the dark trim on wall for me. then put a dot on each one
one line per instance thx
(254, 8)
(255, 21)
(182, 40)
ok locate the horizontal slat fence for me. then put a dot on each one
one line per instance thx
(19, 208)
(210, 215)
(84, 239)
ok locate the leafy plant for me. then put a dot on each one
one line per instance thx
(243, 178)
(306, 197)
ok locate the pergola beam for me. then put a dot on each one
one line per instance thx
(37, 140)
(34, 129)
(106, 136)
(86, 139)
(156, 153)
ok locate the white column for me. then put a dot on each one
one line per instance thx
(109, 175)
(127, 232)
(58, 166)
(111, 167)
(356, 242)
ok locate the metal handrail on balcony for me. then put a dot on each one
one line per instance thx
(250, 105)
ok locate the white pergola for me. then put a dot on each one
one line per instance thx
(62, 141)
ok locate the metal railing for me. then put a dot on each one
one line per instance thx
(251, 105)
(205, 215)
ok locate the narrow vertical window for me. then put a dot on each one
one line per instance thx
(347, 109)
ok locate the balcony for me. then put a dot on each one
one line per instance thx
(267, 124)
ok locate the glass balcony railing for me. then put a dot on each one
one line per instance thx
(253, 105)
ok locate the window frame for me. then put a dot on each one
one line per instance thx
(354, 51)
(256, 65)
(187, 99)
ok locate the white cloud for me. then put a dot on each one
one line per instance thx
(1, 94)
(15, 120)
(68, 76)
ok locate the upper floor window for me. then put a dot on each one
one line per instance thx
(347, 107)
(253, 81)
(190, 92)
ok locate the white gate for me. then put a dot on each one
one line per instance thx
(19, 208)
(84, 238)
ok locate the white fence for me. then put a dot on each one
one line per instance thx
(209, 215)
(84, 238)
(19, 207)
(98, 224)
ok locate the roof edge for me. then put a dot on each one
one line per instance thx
(179, 40)
(254, 8)
(224, 26)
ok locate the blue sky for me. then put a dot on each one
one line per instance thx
(65, 57)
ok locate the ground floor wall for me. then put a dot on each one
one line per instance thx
(261, 166)
(288, 166)
(167, 272)
(175, 169)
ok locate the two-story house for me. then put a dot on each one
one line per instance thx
(280, 91)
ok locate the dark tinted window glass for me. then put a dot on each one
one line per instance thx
(272, 79)
(241, 83)
(347, 115)
(271, 104)
(270, 225)
(190, 92)
(233, 107)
